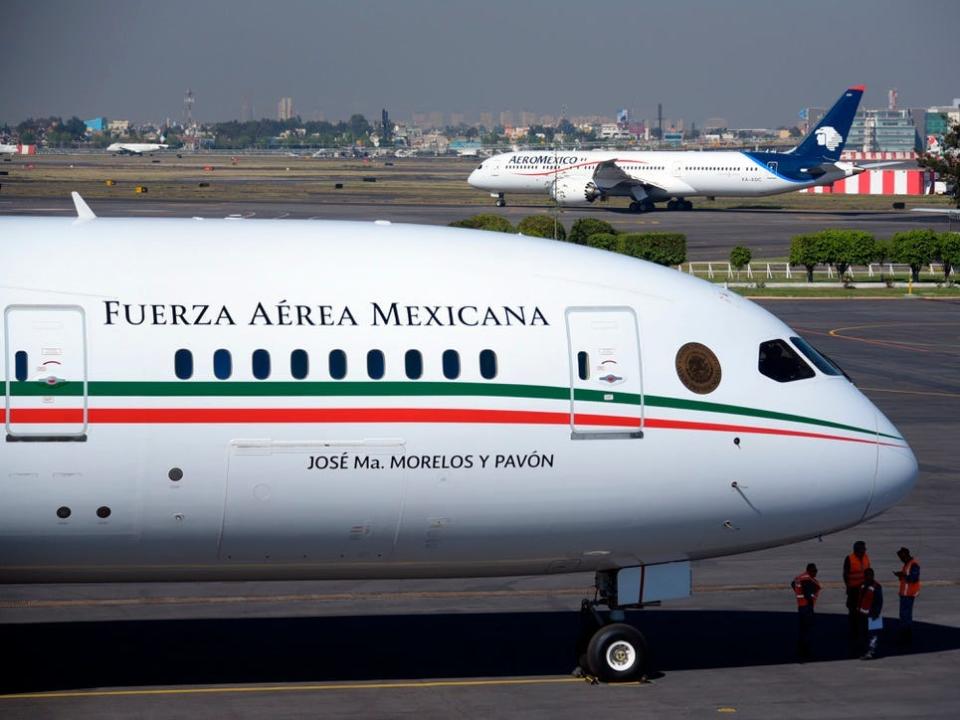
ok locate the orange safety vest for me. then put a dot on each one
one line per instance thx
(907, 588)
(857, 566)
(797, 585)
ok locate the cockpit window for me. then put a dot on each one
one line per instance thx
(824, 364)
(780, 362)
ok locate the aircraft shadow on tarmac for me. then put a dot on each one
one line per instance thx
(56, 656)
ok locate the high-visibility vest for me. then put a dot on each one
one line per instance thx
(907, 588)
(857, 566)
(797, 584)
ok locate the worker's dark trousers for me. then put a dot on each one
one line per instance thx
(854, 639)
(805, 632)
(905, 632)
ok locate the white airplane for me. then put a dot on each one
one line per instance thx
(213, 400)
(9, 149)
(136, 148)
(578, 178)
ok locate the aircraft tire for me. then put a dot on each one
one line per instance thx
(617, 653)
(636, 207)
(647, 206)
(686, 205)
(501, 202)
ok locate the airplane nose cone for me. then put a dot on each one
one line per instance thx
(474, 177)
(896, 469)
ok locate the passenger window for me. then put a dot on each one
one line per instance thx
(261, 364)
(413, 364)
(338, 364)
(20, 365)
(488, 364)
(299, 364)
(183, 364)
(451, 364)
(778, 361)
(222, 364)
(376, 366)
(583, 365)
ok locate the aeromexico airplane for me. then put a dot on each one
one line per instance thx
(575, 178)
(213, 400)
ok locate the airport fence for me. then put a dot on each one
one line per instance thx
(722, 270)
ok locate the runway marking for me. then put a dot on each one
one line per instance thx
(913, 392)
(355, 597)
(402, 685)
(914, 347)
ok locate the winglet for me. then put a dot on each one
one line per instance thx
(83, 210)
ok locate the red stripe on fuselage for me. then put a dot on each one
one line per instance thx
(227, 416)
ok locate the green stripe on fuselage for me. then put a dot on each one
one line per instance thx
(334, 388)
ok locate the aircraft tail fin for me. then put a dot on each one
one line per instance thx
(825, 142)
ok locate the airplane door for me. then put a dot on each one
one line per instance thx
(312, 502)
(606, 382)
(46, 373)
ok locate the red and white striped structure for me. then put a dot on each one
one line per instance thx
(890, 155)
(881, 182)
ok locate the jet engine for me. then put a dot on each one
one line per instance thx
(575, 191)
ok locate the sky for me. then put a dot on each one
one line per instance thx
(755, 63)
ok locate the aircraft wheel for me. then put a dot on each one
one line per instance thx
(686, 205)
(648, 206)
(617, 653)
(501, 202)
(635, 207)
(672, 205)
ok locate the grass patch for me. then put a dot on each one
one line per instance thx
(851, 293)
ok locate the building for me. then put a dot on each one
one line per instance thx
(883, 131)
(96, 125)
(486, 120)
(119, 127)
(285, 109)
(506, 119)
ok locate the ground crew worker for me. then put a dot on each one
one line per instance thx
(854, 566)
(909, 578)
(807, 590)
(870, 607)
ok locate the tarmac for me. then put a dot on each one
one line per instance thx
(711, 233)
(504, 647)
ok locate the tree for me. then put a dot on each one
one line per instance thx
(541, 226)
(485, 221)
(947, 164)
(740, 257)
(915, 248)
(76, 128)
(843, 248)
(949, 243)
(585, 227)
(808, 250)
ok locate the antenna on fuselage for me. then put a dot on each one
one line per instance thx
(83, 210)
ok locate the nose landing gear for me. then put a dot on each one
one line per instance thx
(501, 201)
(609, 649)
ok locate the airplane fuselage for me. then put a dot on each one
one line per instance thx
(665, 174)
(191, 399)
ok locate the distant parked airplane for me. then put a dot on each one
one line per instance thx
(136, 148)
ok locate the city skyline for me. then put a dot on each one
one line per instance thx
(422, 56)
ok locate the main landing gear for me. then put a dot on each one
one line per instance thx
(679, 204)
(609, 649)
(642, 206)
